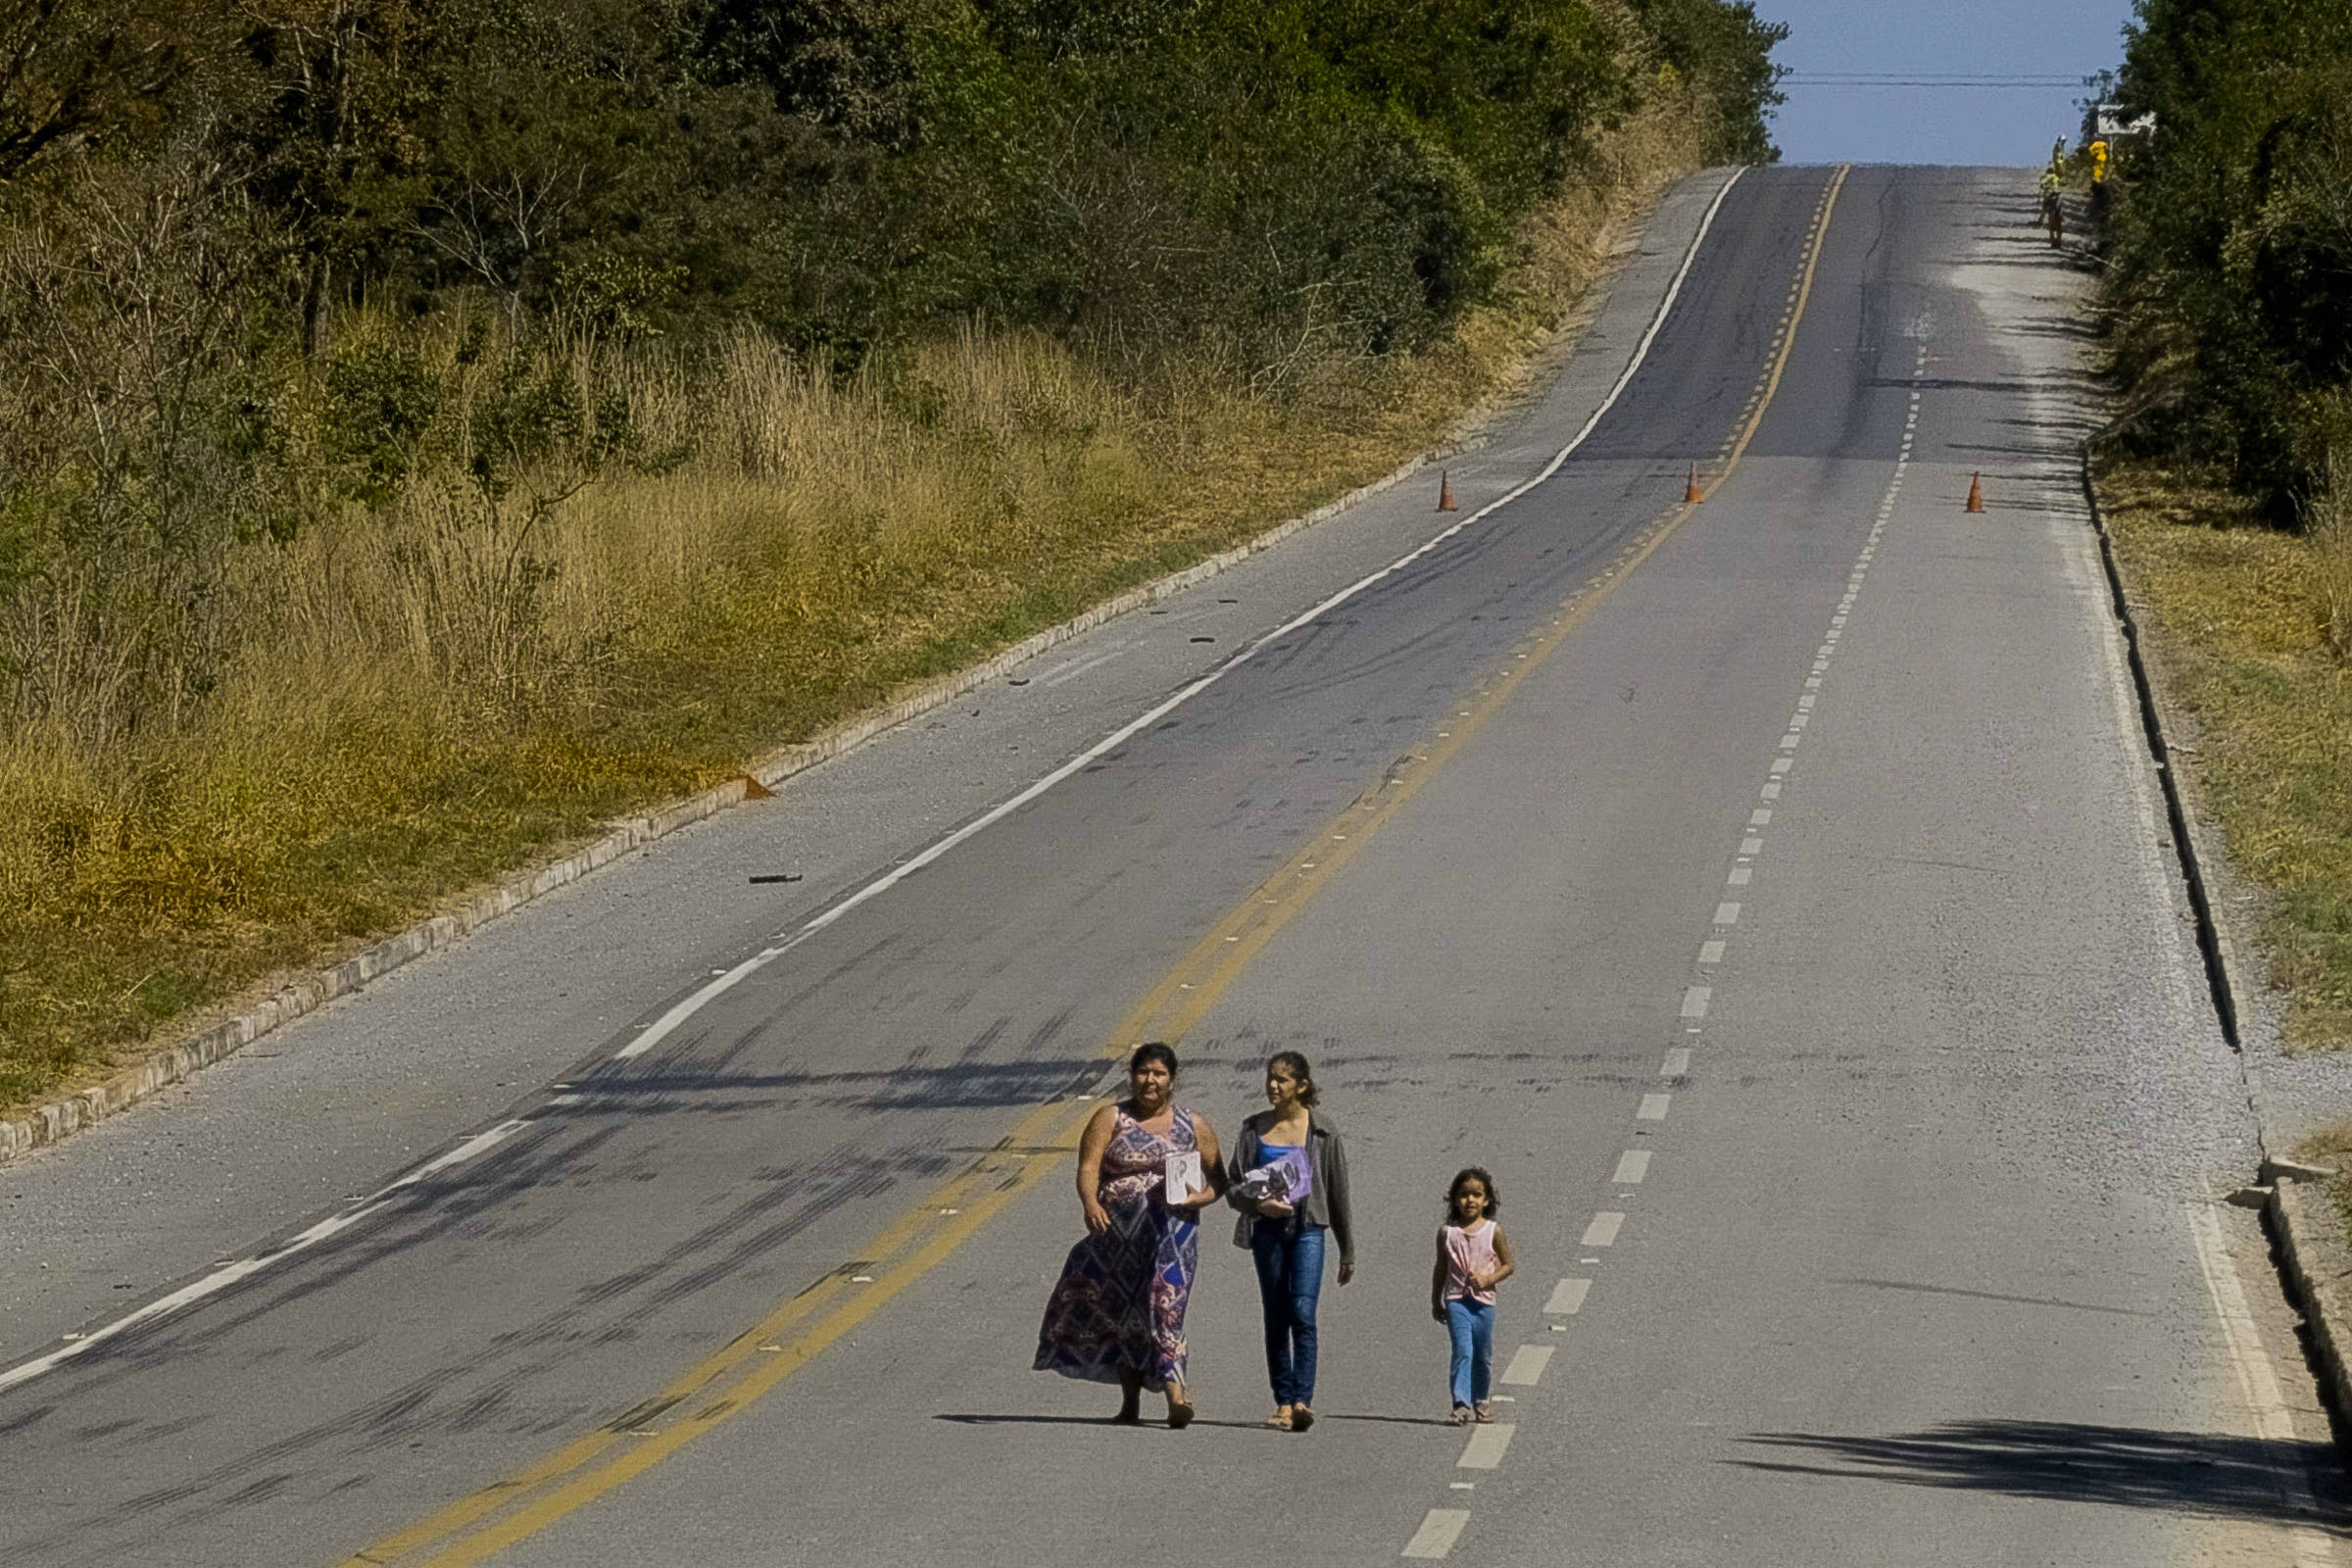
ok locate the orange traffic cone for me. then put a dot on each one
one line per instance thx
(1976, 492)
(1690, 492)
(1446, 492)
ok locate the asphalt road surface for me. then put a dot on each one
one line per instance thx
(1773, 893)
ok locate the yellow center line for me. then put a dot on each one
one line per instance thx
(728, 1381)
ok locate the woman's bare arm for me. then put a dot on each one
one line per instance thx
(1091, 1145)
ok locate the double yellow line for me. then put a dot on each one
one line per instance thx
(726, 1382)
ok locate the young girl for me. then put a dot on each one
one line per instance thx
(1473, 1257)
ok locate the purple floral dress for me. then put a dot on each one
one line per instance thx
(1120, 1302)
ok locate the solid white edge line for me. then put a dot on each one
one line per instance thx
(2257, 1380)
(660, 1028)
(229, 1274)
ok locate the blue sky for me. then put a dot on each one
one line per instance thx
(1910, 125)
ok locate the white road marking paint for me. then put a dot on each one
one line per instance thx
(2257, 1381)
(1782, 764)
(1485, 1449)
(1676, 1063)
(1771, 791)
(1653, 1107)
(1727, 914)
(1759, 817)
(1602, 1231)
(1741, 875)
(228, 1274)
(1711, 951)
(1462, 1486)
(1751, 846)
(1527, 1365)
(1439, 1529)
(1695, 1001)
(1789, 740)
(664, 1026)
(1568, 1296)
(1633, 1166)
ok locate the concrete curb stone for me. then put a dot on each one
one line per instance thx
(2319, 1266)
(2301, 1213)
(51, 1122)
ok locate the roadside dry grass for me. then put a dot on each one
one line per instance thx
(2248, 625)
(404, 718)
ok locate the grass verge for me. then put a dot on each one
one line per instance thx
(405, 714)
(2244, 623)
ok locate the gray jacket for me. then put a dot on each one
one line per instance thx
(1326, 1201)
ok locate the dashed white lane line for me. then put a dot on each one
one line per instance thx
(1711, 951)
(1527, 1366)
(1741, 876)
(1602, 1231)
(1695, 1001)
(1632, 1166)
(1678, 1062)
(1653, 1107)
(1439, 1529)
(1568, 1298)
(1727, 914)
(1485, 1449)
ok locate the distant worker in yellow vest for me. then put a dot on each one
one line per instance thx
(2052, 214)
(2058, 155)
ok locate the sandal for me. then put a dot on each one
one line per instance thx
(1485, 1411)
(1462, 1416)
(1180, 1414)
(1280, 1420)
(1302, 1418)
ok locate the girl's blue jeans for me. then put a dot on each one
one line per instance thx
(1289, 1255)
(1472, 1326)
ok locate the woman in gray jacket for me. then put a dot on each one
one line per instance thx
(1289, 1178)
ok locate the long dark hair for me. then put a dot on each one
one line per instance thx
(1298, 1071)
(1477, 1173)
(1153, 1050)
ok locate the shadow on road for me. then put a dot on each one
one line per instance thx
(2134, 1467)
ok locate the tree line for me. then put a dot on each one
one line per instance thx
(2229, 250)
(250, 249)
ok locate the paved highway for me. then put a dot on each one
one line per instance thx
(1772, 893)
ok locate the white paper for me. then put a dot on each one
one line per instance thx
(1184, 1175)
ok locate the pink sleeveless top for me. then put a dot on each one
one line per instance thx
(1469, 1249)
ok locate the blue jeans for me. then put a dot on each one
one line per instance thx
(1472, 1326)
(1290, 1283)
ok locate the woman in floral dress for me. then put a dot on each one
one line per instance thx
(1117, 1313)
